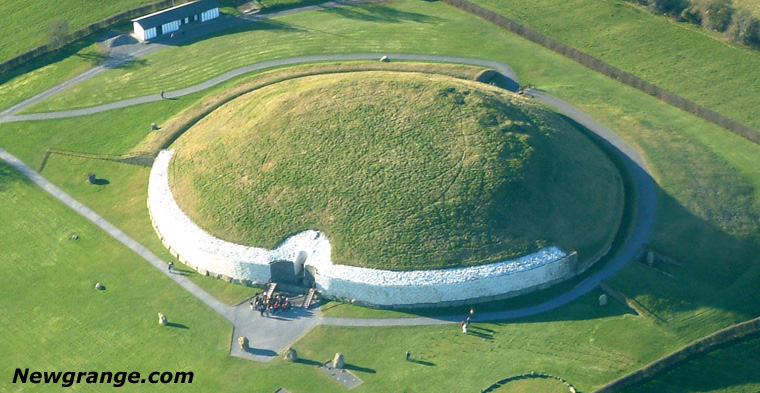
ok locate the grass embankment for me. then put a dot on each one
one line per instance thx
(733, 369)
(401, 171)
(25, 22)
(678, 57)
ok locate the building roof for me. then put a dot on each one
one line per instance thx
(175, 13)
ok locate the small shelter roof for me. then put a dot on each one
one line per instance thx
(175, 13)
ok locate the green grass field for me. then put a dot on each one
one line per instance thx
(400, 171)
(681, 58)
(37, 76)
(27, 21)
(50, 308)
(707, 218)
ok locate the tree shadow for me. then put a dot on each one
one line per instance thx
(8, 176)
(49, 58)
(230, 26)
(93, 58)
(381, 13)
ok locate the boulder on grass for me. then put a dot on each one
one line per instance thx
(291, 355)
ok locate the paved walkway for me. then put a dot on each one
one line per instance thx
(269, 336)
(9, 117)
(120, 55)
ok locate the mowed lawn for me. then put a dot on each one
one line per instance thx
(678, 57)
(24, 23)
(54, 320)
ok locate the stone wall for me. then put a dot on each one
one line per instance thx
(379, 288)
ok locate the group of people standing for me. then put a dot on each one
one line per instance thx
(270, 306)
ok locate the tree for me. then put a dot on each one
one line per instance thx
(672, 7)
(58, 32)
(716, 14)
(744, 28)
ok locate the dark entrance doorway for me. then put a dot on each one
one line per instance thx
(283, 272)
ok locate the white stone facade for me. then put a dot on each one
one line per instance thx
(385, 288)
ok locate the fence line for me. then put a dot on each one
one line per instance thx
(608, 70)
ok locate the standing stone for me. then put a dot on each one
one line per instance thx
(162, 319)
(243, 341)
(291, 355)
(338, 361)
(603, 299)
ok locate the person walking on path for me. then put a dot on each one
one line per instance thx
(251, 303)
(162, 94)
(464, 327)
(408, 355)
(171, 267)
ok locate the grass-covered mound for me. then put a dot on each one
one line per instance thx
(401, 171)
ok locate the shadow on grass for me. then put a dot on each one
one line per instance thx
(230, 26)
(50, 58)
(308, 362)
(177, 325)
(422, 362)
(381, 13)
(9, 176)
(354, 367)
(478, 334)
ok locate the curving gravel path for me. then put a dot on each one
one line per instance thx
(285, 330)
(9, 117)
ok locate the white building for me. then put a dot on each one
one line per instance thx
(175, 19)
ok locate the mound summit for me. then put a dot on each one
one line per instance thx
(401, 171)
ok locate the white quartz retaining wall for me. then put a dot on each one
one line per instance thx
(250, 265)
